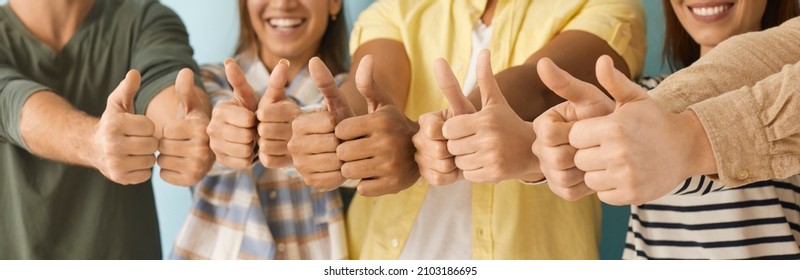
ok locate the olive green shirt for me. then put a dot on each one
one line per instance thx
(51, 210)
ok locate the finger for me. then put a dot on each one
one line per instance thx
(490, 91)
(313, 144)
(600, 181)
(272, 148)
(138, 146)
(436, 178)
(358, 149)
(234, 115)
(374, 94)
(469, 162)
(361, 169)
(187, 129)
(376, 186)
(355, 127)
(121, 99)
(459, 104)
(430, 125)
(140, 162)
(463, 146)
(324, 181)
(137, 176)
(591, 159)
(277, 83)
(334, 99)
(322, 163)
(568, 178)
(459, 127)
(233, 150)
(435, 149)
(234, 162)
(622, 89)
(589, 133)
(320, 122)
(573, 193)
(551, 130)
(614, 197)
(185, 91)
(232, 134)
(481, 175)
(275, 131)
(243, 94)
(137, 125)
(447, 165)
(560, 157)
(285, 111)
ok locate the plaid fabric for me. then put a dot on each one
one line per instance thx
(261, 213)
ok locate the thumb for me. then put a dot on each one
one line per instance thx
(622, 89)
(277, 82)
(243, 94)
(365, 83)
(184, 89)
(568, 87)
(121, 99)
(459, 104)
(323, 79)
(490, 91)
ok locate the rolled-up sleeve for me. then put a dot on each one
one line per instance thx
(618, 22)
(15, 89)
(379, 21)
(161, 50)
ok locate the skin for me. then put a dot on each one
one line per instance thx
(119, 144)
(245, 120)
(390, 128)
(639, 152)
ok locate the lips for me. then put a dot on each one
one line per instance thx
(285, 22)
(709, 12)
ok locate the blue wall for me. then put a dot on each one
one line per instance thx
(213, 30)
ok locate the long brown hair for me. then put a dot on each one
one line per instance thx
(680, 50)
(332, 48)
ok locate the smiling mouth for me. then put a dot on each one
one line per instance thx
(710, 11)
(285, 22)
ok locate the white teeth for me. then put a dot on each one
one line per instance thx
(285, 22)
(710, 11)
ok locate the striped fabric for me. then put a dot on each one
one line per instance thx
(703, 219)
(261, 213)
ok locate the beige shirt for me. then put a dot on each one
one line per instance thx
(745, 94)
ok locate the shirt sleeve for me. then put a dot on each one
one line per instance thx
(754, 131)
(161, 50)
(618, 22)
(379, 21)
(15, 89)
(739, 61)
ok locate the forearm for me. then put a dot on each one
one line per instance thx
(525, 91)
(53, 129)
(392, 72)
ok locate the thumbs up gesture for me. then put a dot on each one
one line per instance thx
(125, 142)
(436, 164)
(377, 147)
(556, 156)
(276, 113)
(313, 143)
(232, 129)
(493, 144)
(185, 156)
(639, 152)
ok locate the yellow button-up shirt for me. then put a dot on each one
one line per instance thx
(509, 220)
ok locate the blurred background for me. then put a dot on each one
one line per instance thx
(213, 30)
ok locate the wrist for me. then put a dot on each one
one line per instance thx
(701, 154)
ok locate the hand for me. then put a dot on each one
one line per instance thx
(313, 142)
(185, 156)
(276, 113)
(377, 147)
(125, 143)
(556, 156)
(232, 129)
(494, 144)
(640, 152)
(435, 162)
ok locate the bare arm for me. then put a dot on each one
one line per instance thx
(523, 88)
(392, 72)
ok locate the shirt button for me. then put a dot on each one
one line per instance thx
(395, 243)
(273, 194)
(743, 174)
